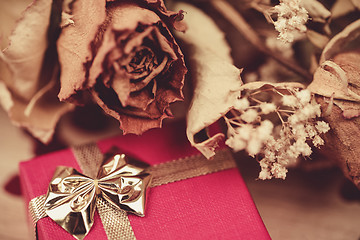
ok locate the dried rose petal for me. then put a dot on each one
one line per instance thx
(338, 79)
(28, 72)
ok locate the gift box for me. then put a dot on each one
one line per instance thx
(208, 206)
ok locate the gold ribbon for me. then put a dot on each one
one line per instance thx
(120, 187)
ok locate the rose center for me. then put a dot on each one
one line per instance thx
(142, 63)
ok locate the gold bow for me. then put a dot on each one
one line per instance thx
(71, 197)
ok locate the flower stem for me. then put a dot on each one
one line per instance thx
(286, 111)
(256, 100)
(235, 123)
(281, 119)
(235, 18)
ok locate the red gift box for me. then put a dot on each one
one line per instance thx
(213, 206)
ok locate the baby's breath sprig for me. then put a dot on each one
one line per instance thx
(291, 19)
(278, 131)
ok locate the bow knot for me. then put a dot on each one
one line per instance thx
(71, 198)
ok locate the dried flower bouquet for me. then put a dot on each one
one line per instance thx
(300, 77)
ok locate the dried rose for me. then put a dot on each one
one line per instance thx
(136, 69)
(120, 54)
(338, 79)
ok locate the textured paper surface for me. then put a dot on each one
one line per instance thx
(216, 206)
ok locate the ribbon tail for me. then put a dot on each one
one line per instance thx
(37, 211)
(115, 221)
(189, 167)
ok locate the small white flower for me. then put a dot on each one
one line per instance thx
(280, 25)
(235, 143)
(241, 104)
(245, 131)
(267, 108)
(299, 131)
(303, 147)
(264, 174)
(264, 163)
(293, 152)
(304, 96)
(285, 36)
(282, 145)
(309, 111)
(254, 146)
(289, 100)
(271, 142)
(291, 19)
(278, 171)
(265, 130)
(294, 119)
(322, 126)
(310, 130)
(250, 115)
(318, 141)
(270, 155)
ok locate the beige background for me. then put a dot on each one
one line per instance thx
(308, 205)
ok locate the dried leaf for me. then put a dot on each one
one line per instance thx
(208, 146)
(341, 8)
(282, 85)
(39, 115)
(349, 109)
(342, 143)
(28, 43)
(5, 97)
(215, 92)
(339, 77)
(10, 12)
(28, 86)
(316, 10)
(318, 39)
(338, 74)
(66, 20)
(331, 80)
(349, 62)
(217, 81)
(41, 119)
(341, 41)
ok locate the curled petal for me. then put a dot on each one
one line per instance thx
(217, 80)
(74, 44)
(342, 40)
(25, 54)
